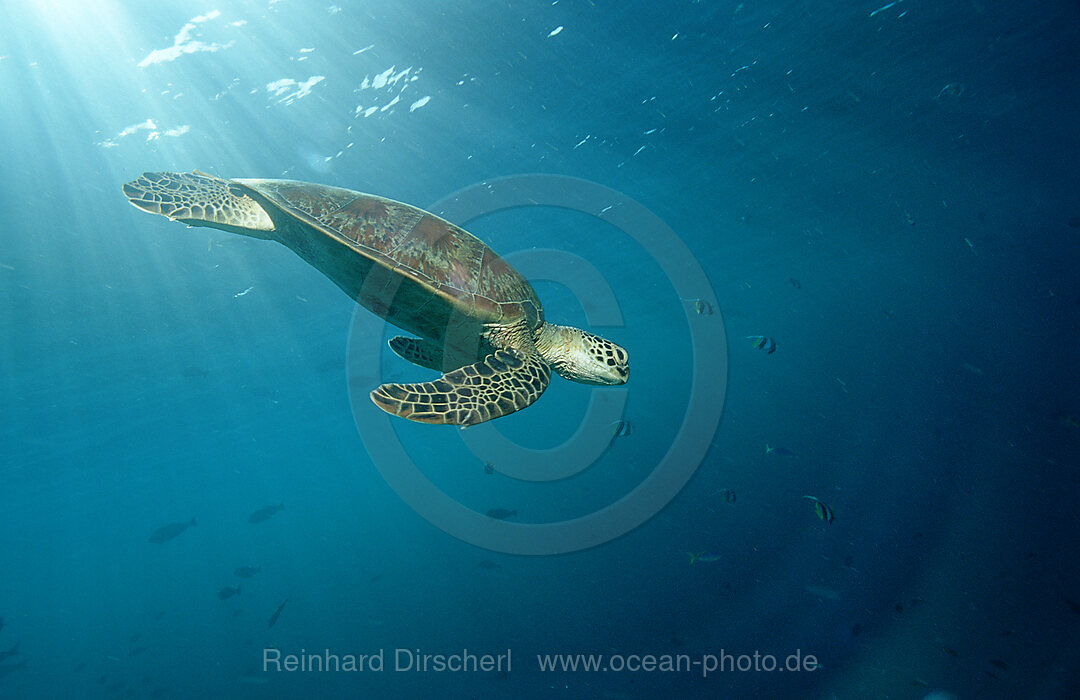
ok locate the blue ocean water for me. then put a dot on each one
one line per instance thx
(888, 191)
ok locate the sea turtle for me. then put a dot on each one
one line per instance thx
(479, 321)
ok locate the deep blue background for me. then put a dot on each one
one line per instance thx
(914, 169)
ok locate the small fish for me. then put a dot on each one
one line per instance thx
(1073, 605)
(246, 571)
(228, 592)
(486, 565)
(825, 515)
(778, 451)
(277, 613)
(622, 428)
(763, 342)
(264, 514)
(240, 294)
(999, 664)
(703, 556)
(703, 308)
(489, 468)
(167, 532)
(795, 283)
(500, 513)
(951, 90)
(728, 495)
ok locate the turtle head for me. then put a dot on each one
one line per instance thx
(582, 357)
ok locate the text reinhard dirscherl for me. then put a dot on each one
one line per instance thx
(417, 661)
(401, 660)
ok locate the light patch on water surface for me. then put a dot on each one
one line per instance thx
(289, 90)
(185, 43)
(386, 89)
(153, 132)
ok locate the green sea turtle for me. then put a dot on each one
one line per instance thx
(478, 320)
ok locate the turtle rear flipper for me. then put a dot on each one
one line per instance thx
(418, 351)
(498, 385)
(424, 353)
(199, 199)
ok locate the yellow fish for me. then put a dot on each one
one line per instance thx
(824, 512)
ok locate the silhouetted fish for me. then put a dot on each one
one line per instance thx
(13, 651)
(247, 571)
(264, 514)
(167, 532)
(795, 283)
(228, 592)
(277, 613)
(778, 451)
(728, 495)
(500, 513)
(11, 668)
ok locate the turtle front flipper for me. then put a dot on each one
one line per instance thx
(199, 199)
(498, 385)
